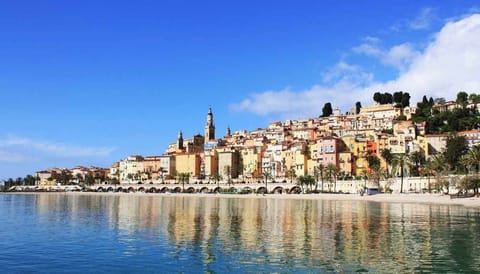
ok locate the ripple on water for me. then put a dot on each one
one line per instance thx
(157, 234)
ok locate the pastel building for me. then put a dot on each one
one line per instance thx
(188, 163)
(251, 161)
(131, 168)
(228, 163)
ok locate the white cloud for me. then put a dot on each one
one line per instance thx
(12, 143)
(9, 157)
(398, 56)
(308, 103)
(423, 20)
(450, 63)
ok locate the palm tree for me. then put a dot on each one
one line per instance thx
(162, 171)
(440, 166)
(291, 174)
(217, 178)
(318, 172)
(472, 158)
(306, 180)
(301, 181)
(417, 159)
(388, 157)
(401, 161)
(267, 175)
(228, 172)
(428, 170)
(29, 180)
(184, 177)
(331, 173)
(79, 177)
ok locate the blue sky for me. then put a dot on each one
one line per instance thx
(91, 82)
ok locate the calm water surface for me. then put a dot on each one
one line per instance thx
(145, 234)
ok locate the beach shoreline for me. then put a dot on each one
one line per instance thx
(415, 198)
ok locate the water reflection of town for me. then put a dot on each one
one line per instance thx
(374, 235)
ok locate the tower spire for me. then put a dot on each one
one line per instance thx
(209, 127)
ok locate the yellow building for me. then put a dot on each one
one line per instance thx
(296, 158)
(251, 158)
(357, 145)
(188, 163)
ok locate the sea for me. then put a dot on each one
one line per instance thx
(161, 233)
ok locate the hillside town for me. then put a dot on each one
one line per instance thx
(339, 144)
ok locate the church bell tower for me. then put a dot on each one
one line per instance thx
(209, 127)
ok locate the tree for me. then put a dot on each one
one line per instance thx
(139, 175)
(291, 173)
(377, 97)
(358, 107)
(306, 151)
(373, 161)
(89, 180)
(428, 170)
(470, 182)
(267, 175)
(440, 166)
(79, 177)
(462, 98)
(405, 100)
(472, 158)
(64, 177)
(331, 174)
(318, 172)
(474, 98)
(397, 97)
(162, 172)
(401, 162)
(327, 110)
(417, 159)
(306, 180)
(29, 180)
(228, 172)
(388, 99)
(183, 177)
(388, 157)
(301, 181)
(456, 147)
(375, 168)
(217, 178)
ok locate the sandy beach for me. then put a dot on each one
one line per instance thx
(384, 198)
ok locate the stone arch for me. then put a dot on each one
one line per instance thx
(295, 190)
(177, 189)
(100, 189)
(190, 190)
(246, 190)
(131, 189)
(164, 190)
(278, 190)
(119, 189)
(152, 190)
(110, 189)
(141, 189)
(217, 189)
(262, 190)
(232, 190)
(204, 190)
